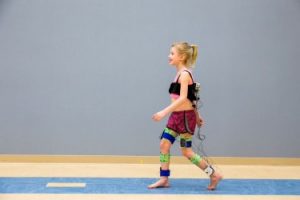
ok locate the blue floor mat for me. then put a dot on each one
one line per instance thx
(139, 186)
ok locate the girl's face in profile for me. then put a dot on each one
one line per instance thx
(174, 58)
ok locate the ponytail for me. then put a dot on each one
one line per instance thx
(194, 54)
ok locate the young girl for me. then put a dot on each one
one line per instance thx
(184, 116)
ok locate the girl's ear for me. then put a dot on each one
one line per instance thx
(182, 57)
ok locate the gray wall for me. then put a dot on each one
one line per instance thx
(84, 77)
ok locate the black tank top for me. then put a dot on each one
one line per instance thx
(175, 88)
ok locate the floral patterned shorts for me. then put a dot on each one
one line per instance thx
(182, 121)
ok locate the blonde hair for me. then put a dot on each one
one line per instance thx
(189, 51)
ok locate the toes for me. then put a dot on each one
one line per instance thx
(211, 188)
(159, 184)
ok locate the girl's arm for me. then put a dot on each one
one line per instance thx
(184, 81)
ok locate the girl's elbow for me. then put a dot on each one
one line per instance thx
(183, 98)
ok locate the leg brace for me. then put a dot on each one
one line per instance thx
(196, 159)
(168, 134)
(164, 158)
(165, 172)
(185, 141)
(209, 170)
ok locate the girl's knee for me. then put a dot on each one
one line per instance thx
(165, 146)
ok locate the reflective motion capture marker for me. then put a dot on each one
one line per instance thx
(209, 170)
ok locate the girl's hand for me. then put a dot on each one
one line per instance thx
(200, 121)
(158, 116)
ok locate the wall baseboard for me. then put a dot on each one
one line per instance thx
(142, 159)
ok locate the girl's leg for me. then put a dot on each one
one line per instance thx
(166, 142)
(196, 159)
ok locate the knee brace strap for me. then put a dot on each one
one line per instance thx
(169, 135)
(164, 172)
(164, 158)
(196, 159)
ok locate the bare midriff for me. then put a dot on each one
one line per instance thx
(186, 105)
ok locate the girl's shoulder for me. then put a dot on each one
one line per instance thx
(186, 75)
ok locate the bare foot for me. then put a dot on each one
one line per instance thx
(215, 178)
(161, 183)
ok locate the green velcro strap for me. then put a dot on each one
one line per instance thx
(196, 159)
(165, 158)
(186, 138)
(171, 132)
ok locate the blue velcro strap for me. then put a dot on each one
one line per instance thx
(168, 136)
(188, 144)
(164, 172)
(185, 144)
